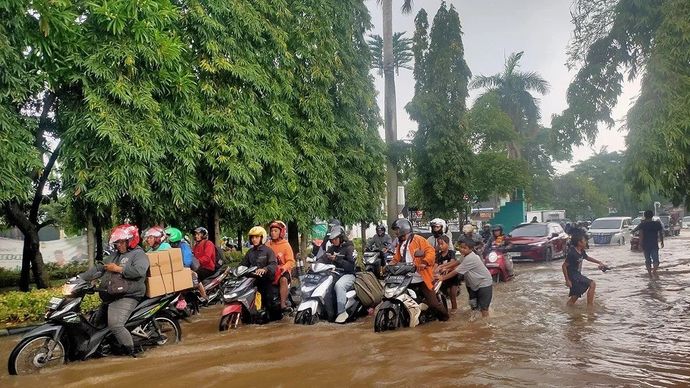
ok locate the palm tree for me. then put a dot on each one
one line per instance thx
(389, 118)
(513, 88)
(402, 52)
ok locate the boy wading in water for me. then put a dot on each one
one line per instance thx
(651, 234)
(578, 283)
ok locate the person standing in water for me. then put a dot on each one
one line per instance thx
(651, 234)
(574, 280)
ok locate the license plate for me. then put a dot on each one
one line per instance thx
(311, 278)
(513, 254)
(395, 279)
(53, 303)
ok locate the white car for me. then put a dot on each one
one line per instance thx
(686, 222)
(610, 230)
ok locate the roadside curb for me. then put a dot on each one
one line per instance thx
(15, 330)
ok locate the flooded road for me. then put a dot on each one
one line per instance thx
(637, 335)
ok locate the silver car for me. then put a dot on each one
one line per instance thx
(610, 230)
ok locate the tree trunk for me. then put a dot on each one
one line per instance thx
(90, 239)
(216, 225)
(389, 116)
(32, 260)
(293, 236)
(98, 228)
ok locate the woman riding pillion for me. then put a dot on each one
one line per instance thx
(155, 239)
(262, 257)
(286, 259)
(123, 276)
(414, 249)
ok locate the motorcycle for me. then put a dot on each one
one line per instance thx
(318, 296)
(213, 285)
(393, 312)
(70, 335)
(500, 266)
(240, 297)
(375, 261)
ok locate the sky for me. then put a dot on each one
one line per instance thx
(492, 30)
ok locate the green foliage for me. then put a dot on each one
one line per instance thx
(441, 145)
(17, 307)
(402, 52)
(579, 197)
(10, 277)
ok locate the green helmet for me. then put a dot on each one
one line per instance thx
(174, 235)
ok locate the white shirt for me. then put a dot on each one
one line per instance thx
(416, 278)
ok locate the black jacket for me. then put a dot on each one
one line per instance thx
(261, 257)
(346, 262)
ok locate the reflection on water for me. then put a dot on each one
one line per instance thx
(637, 334)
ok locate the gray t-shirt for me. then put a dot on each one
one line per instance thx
(475, 272)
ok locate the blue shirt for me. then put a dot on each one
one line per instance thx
(187, 255)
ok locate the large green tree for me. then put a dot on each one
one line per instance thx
(441, 147)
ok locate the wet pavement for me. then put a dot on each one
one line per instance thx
(638, 334)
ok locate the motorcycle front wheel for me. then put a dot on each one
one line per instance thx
(169, 329)
(230, 321)
(31, 355)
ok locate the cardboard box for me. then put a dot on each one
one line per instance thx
(159, 263)
(175, 259)
(182, 280)
(159, 285)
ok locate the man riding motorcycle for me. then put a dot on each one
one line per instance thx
(285, 256)
(262, 257)
(205, 251)
(123, 276)
(414, 249)
(439, 227)
(469, 234)
(177, 240)
(341, 254)
(381, 241)
(486, 233)
(497, 240)
(155, 239)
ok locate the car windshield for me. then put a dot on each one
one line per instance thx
(606, 224)
(529, 231)
(636, 221)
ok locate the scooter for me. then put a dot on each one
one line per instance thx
(240, 297)
(393, 312)
(318, 296)
(213, 285)
(375, 261)
(70, 335)
(500, 266)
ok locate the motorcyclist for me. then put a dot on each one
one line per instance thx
(413, 249)
(177, 240)
(468, 232)
(123, 276)
(286, 259)
(205, 251)
(439, 227)
(498, 239)
(264, 259)
(486, 232)
(326, 242)
(341, 254)
(380, 242)
(155, 239)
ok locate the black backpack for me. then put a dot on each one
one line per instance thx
(219, 258)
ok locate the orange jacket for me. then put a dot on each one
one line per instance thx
(284, 254)
(429, 259)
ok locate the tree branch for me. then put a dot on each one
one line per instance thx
(33, 213)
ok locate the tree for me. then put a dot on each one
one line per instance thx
(619, 39)
(579, 197)
(441, 148)
(402, 52)
(389, 111)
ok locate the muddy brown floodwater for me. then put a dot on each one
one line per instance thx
(637, 335)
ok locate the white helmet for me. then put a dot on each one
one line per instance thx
(441, 222)
(468, 228)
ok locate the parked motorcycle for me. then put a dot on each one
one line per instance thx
(70, 335)
(318, 296)
(399, 298)
(499, 265)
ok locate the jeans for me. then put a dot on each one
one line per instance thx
(342, 286)
(118, 314)
(651, 256)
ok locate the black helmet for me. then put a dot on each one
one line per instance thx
(402, 225)
(381, 227)
(497, 227)
(333, 222)
(337, 231)
(203, 231)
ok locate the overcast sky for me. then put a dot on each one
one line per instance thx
(492, 30)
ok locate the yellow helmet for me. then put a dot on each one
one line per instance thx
(258, 231)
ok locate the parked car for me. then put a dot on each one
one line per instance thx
(686, 222)
(537, 242)
(610, 230)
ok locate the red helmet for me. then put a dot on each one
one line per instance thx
(125, 232)
(281, 226)
(156, 232)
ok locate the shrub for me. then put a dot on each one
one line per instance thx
(17, 307)
(10, 277)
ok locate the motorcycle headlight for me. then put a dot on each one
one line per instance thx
(231, 295)
(493, 256)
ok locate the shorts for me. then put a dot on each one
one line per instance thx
(580, 285)
(651, 256)
(280, 273)
(454, 281)
(481, 298)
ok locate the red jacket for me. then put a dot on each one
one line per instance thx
(205, 252)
